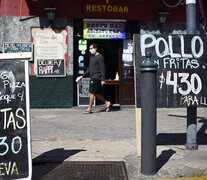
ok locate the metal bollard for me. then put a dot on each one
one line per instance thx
(191, 135)
(148, 116)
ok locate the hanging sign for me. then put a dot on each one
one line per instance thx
(104, 29)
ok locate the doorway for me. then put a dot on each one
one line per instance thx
(112, 49)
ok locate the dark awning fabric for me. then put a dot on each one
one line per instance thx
(203, 10)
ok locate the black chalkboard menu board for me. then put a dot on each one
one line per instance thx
(83, 92)
(15, 150)
(51, 67)
(9, 47)
(182, 68)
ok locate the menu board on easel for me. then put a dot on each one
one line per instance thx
(83, 92)
(15, 143)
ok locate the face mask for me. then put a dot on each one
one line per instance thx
(92, 51)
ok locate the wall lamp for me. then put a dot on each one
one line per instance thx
(161, 16)
(51, 12)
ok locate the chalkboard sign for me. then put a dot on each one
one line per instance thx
(182, 73)
(51, 67)
(9, 47)
(15, 147)
(83, 92)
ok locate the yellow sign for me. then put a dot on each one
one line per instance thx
(106, 8)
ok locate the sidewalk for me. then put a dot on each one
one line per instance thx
(111, 136)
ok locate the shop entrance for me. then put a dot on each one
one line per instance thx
(118, 92)
(110, 49)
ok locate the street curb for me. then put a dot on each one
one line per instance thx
(186, 178)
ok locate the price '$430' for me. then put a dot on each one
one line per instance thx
(192, 82)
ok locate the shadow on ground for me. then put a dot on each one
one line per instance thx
(180, 138)
(164, 157)
(48, 161)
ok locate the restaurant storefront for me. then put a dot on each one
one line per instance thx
(61, 46)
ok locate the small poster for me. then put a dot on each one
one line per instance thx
(49, 44)
(104, 29)
(128, 46)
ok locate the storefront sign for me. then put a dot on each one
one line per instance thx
(49, 44)
(107, 7)
(104, 29)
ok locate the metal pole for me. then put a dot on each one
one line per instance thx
(148, 116)
(191, 16)
(191, 111)
(20, 11)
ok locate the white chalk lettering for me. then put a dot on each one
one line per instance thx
(143, 45)
(21, 95)
(49, 62)
(184, 77)
(189, 100)
(173, 82)
(20, 114)
(148, 41)
(8, 98)
(172, 54)
(190, 85)
(193, 47)
(14, 120)
(183, 47)
(45, 69)
(203, 101)
(178, 63)
(8, 79)
(162, 80)
(157, 49)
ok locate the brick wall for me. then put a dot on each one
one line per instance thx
(51, 92)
